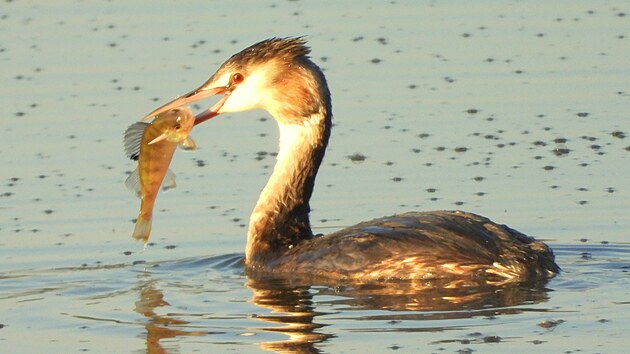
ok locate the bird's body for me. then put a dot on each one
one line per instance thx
(418, 245)
(278, 76)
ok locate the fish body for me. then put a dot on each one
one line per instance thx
(153, 145)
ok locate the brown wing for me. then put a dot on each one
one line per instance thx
(422, 245)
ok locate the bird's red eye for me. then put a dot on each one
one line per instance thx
(237, 78)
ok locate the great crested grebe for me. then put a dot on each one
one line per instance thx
(278, 76)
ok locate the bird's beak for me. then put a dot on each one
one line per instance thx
(158, 139)
(198, 94)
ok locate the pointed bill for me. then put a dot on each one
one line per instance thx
(192, 96)
(158, 139)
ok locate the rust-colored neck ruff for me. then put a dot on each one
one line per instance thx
(299, 100)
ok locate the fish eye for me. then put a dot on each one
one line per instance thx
(237, 78)
(177, 126)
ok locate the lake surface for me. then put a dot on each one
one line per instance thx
(517, 111)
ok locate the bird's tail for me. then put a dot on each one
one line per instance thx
(142, 229)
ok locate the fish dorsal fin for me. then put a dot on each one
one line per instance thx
(169, 180)
(133, 183)
(133, 139)
(188, 144)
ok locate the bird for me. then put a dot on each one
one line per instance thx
(279, 76)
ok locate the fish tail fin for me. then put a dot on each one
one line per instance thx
(142, 229)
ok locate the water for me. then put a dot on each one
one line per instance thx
(516, 111)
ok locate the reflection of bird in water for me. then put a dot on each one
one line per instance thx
(278, 76)
(292, 313)
(299, 311)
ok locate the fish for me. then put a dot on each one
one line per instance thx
(153, 145)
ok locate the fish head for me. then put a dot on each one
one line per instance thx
(174, 124)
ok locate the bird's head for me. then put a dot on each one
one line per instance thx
(275, 75)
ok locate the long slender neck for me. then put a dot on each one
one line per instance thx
(281, 217)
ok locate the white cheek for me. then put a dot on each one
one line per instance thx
(238, 102)
(249, 95)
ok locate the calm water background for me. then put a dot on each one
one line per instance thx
(513, 110)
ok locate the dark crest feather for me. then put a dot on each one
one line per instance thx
(273, 48)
